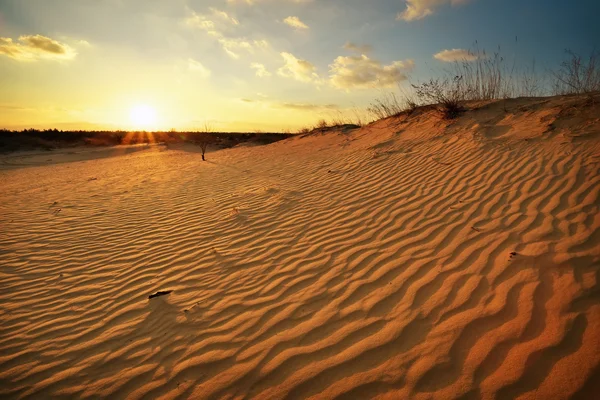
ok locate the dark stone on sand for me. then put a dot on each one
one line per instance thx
(160, 293)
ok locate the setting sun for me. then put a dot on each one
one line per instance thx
(143, 116)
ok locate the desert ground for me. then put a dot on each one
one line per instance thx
(413, 258)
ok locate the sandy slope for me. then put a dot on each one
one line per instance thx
(370, 263)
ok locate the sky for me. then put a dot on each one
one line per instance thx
(248, 65)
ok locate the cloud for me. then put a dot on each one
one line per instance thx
(215, 26)
(295, 22)
(307, 106)
(361, 49)
(223, 15)
(300, 70)
(261, 71)
(355, 72)
(233, 45)
(36, 47)
(83, 43)
(200, 22)
(197, 66)
(11, 107)
(292, 105)
(419, 9)
(361, 72)
(455, 55)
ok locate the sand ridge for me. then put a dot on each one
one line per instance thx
(412, 258)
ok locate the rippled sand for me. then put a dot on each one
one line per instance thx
(413, 258)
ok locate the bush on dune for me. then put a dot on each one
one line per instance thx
(481, 76)
(447, 93)
(577, 75)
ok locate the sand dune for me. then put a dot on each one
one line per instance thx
(413, 258)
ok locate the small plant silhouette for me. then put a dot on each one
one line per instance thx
(204, 138)
(448, 93)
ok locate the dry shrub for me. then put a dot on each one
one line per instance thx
(204, 138)
(479, 76)
(577, 75)
(448, 93)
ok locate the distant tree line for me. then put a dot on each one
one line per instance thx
(12, 140)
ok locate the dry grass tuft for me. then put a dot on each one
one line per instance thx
(448, 94)
(390, 105)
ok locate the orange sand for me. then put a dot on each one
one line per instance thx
(373, 263)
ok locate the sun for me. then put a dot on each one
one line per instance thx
(143, 116)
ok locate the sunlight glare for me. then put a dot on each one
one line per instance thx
(143, 116)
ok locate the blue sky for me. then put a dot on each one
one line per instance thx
(253, 64)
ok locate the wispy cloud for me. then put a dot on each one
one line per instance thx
(419, 9)
(201, 21)
(232, 46)
(11, 107)
(223, 15)
(362, 72)
(357, 48)
(219, 25)
(36, 47)
(295, 23)
(197, 66)
(307, 106)
(261, 70)
(214, 22)
(296, 106)
(455, 55)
